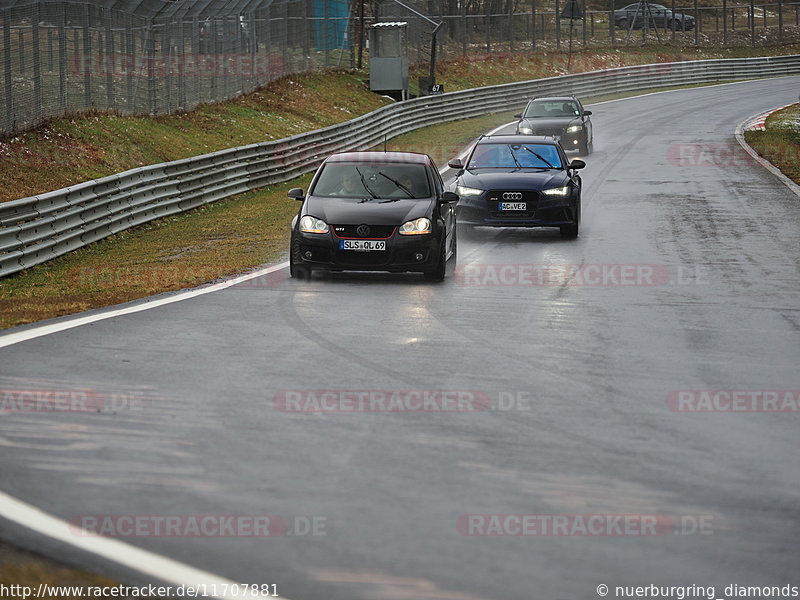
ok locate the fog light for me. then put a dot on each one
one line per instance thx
(419, 256)
(575, 142)
(307, 254)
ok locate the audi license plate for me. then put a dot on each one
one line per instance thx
(512, 205)
(362, 245)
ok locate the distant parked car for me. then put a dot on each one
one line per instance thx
(662, 17)
(560, 117)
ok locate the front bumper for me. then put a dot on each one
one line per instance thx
(540, 212)
(413, 253)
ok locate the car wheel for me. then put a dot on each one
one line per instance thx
(453, 260)
(672, 23)
(583, 147)
(571, 231)
(297, 270)
(622, 23)
(439, 272)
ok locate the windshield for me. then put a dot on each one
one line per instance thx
(552, 109)
(372, 180)
(515, 156)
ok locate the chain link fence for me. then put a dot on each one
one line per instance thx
(163, 56)
(62, 57)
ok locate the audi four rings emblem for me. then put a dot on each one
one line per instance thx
(512, 195)
(363, 230)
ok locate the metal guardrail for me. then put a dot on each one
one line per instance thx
(36, 229)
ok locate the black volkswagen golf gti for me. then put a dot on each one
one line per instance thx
(375, 211)
(519, 181)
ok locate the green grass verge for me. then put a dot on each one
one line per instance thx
(779, 143)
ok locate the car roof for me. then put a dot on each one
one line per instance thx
(554, 98)
(518, 139)
(380, 157)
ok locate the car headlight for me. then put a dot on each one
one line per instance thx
(559, 191)
(309, 224)
(416, 227)
(525, 130)
(574, 128)
(462, 190)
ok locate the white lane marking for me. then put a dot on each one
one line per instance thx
(143, 561)
(739, 135)
(29, 334)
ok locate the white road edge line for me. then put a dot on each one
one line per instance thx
(739, 134)
(35, 332)
(143, 561)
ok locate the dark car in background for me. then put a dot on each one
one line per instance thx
(519, 181)
(561, 117)
(375, 211)
(662, 17)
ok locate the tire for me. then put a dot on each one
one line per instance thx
(583, 147)
(440, 271)
(622, 24)
(570, 232)
(297, 271)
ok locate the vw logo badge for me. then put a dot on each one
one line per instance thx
(363, 230)
(512, 195)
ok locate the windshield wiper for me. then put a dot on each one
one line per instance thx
(364, 183)
(514, 156)
(540, 157)
(397, 183)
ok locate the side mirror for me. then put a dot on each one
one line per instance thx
(518, 116)
(297, 194)
(449, 197)
(456, 164)
(577, 164)
(586, 113)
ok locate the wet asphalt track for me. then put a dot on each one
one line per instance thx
(595, 363)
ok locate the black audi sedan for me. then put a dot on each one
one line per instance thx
(375, 211)
(519, 181)
(562, 117)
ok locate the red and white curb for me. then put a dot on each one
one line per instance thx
(756, 123)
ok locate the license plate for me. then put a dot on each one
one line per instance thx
(512, 205)
(362, 245)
